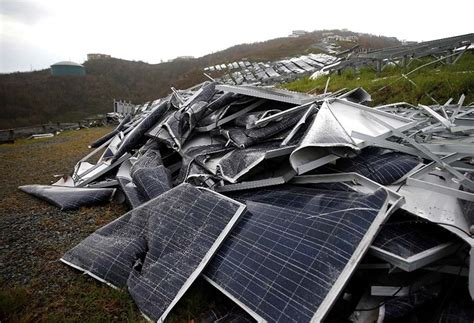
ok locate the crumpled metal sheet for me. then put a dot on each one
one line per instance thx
(204, 94)
(357, 95)
(225, 114)
(111, 134)
(69, 198)
(136, 135)
(327, 131)
(331, 138)
(152, 182)
(238, 162)
(225, 99)
(150, 176)
(194, 110)
(200, 155)
(252, 141)
(133, 196)
(243, 138)
(468, 206)
(248, 120)
(158, 250)
(279, 95)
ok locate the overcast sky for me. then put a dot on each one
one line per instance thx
(37, 33)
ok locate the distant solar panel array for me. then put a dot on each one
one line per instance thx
(245, 72)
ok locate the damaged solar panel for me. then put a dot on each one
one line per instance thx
(288, 257)
(158, 249)
(395, 181)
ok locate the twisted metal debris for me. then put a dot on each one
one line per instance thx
(321, 188)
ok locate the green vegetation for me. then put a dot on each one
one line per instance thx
(440, 81)
(35, 286)
(37, 97)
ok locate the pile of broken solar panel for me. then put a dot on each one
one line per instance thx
(296, 207)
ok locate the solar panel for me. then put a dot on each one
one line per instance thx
(295, 247)
(134, 137)
(69, 198)
(346, 118)
(239, 162)
(384, 168)
(293, 67)
(132, 195)
(275, 94)
(271, 72)
(302, 64)
(409, 243)
(283, 69)
(159, 248)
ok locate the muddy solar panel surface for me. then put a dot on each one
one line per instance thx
(286, 254)
(158, 250)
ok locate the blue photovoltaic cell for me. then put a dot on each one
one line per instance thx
(158, 249)
(384, 169)
(285, 254)
(405, 235)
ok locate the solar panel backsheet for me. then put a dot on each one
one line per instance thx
(290, 255)
(158, 249)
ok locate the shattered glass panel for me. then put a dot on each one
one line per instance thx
(405, 236)
(159, 248)
(285, 255)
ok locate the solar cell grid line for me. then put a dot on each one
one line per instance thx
(158, 249)
(294, 249)
(384, 169)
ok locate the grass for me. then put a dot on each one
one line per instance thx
(34, 235)
(441, 81)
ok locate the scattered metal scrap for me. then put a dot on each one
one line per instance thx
(382, 217)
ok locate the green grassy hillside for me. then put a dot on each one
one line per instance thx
(440, 81)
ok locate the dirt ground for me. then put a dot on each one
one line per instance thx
(34, 284)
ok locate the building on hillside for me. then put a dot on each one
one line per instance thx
(298, 33)
(94, 56)
(67, 68)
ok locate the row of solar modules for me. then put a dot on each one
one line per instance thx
(230, 66)
(278, 71)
